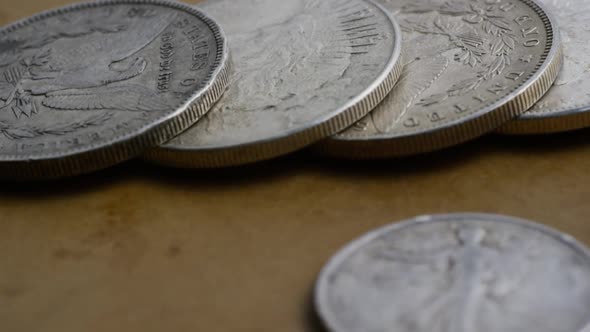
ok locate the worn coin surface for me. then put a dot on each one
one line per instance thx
(458, 273)
(567, 105)
(470, 66)
(86, 86)
(304, 70)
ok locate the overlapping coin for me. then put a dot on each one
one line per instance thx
(567, 105)
(304, 70)
(458, 273)
(470, 66)
(86, 86)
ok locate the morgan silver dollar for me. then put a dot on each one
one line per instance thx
(458, 273)
(567, 105)
(470, 66)
(304, 70)
(90, 85)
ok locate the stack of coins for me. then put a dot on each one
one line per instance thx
(234, 82)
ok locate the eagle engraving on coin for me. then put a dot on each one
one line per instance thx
(458, 273)
(89, 74)
(567, 105)
(75, 71)
(299, 64)
(465, 62)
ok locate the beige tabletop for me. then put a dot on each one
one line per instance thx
(139, 248)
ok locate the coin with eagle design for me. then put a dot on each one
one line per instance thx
(90, 85)
(470, 66)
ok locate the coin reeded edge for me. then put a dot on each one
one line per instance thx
(291, 141)
(535, 124)
(323, 278)
(123, 147)
(454, 133)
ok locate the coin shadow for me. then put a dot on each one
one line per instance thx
(248, 175)
(457, 156)
(313, 322)
(544, 143)
(301, 162)
(436, 161)
(33, 189)
(244, 175)
(306, 162)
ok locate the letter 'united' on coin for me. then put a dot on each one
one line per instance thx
(567, 105)
(470, 66)
(303, 70)
(458, 273)
(90, 85)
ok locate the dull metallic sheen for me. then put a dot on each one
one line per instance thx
(458, 273)
(90, 85)
(567, 105)
(470, 66)
(304, 70)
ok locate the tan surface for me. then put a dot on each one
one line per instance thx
(140, 248)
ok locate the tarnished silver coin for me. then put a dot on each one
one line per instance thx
(470, 66)
(567, 105)
(458, 273)
(89, 85)
(304, 70)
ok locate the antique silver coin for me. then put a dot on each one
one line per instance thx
(470, 66)
(90, 85)
(458, 273)
(567, 105)
(304, 70)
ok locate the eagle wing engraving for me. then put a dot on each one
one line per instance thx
(416, 77)
(121, 98)
(94, 60)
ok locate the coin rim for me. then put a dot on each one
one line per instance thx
(548, 123)
(96, 156)
(228, 155)
(573, 116)
(476, 124)
(321, 287)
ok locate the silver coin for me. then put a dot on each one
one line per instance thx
(567, 105)
(458, 273)
(86, 86)
(304, 70)
(471, 65)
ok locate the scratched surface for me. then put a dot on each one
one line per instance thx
(103, 81)
(141, 249)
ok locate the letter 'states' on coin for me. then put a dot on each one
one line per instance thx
(87, 86)
(458, 273)
(567, 105)
(304, 70)
(470, 66)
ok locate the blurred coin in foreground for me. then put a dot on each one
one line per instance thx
(90, 85)
(458, 273)
(304, 70)
(470, 66)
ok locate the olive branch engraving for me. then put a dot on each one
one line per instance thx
(470, 44)
(486, 20)
(21, 132)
